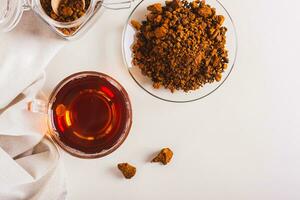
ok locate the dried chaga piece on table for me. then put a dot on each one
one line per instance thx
(164, 156)
(127, 170)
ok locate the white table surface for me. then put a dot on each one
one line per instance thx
(240, 143)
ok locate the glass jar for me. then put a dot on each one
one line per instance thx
(11, 12)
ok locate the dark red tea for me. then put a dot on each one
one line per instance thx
(90, 114)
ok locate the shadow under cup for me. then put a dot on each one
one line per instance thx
(89, 114)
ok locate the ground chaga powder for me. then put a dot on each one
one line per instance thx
(181, 45)
(68, 11)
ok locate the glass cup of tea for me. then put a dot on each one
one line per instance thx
(89, 114)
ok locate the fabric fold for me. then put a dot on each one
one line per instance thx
(30, 164)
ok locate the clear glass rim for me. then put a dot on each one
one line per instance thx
(55, 136)
(183, 101)
(71, 24)
(11, 17)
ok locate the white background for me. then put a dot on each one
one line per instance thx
(240, 143)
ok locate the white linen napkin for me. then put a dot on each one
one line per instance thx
(30, 166)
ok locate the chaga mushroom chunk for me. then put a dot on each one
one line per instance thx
(127, 170)
(164, 156)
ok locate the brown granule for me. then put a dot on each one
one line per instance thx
(164, 156)
(68, 11)
(181, 45)
(155, 8)
(136, 24)
(127, 170)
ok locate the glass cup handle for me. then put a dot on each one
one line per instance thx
(125, 4)
(37, 106)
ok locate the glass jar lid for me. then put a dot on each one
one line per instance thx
(10, 14)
